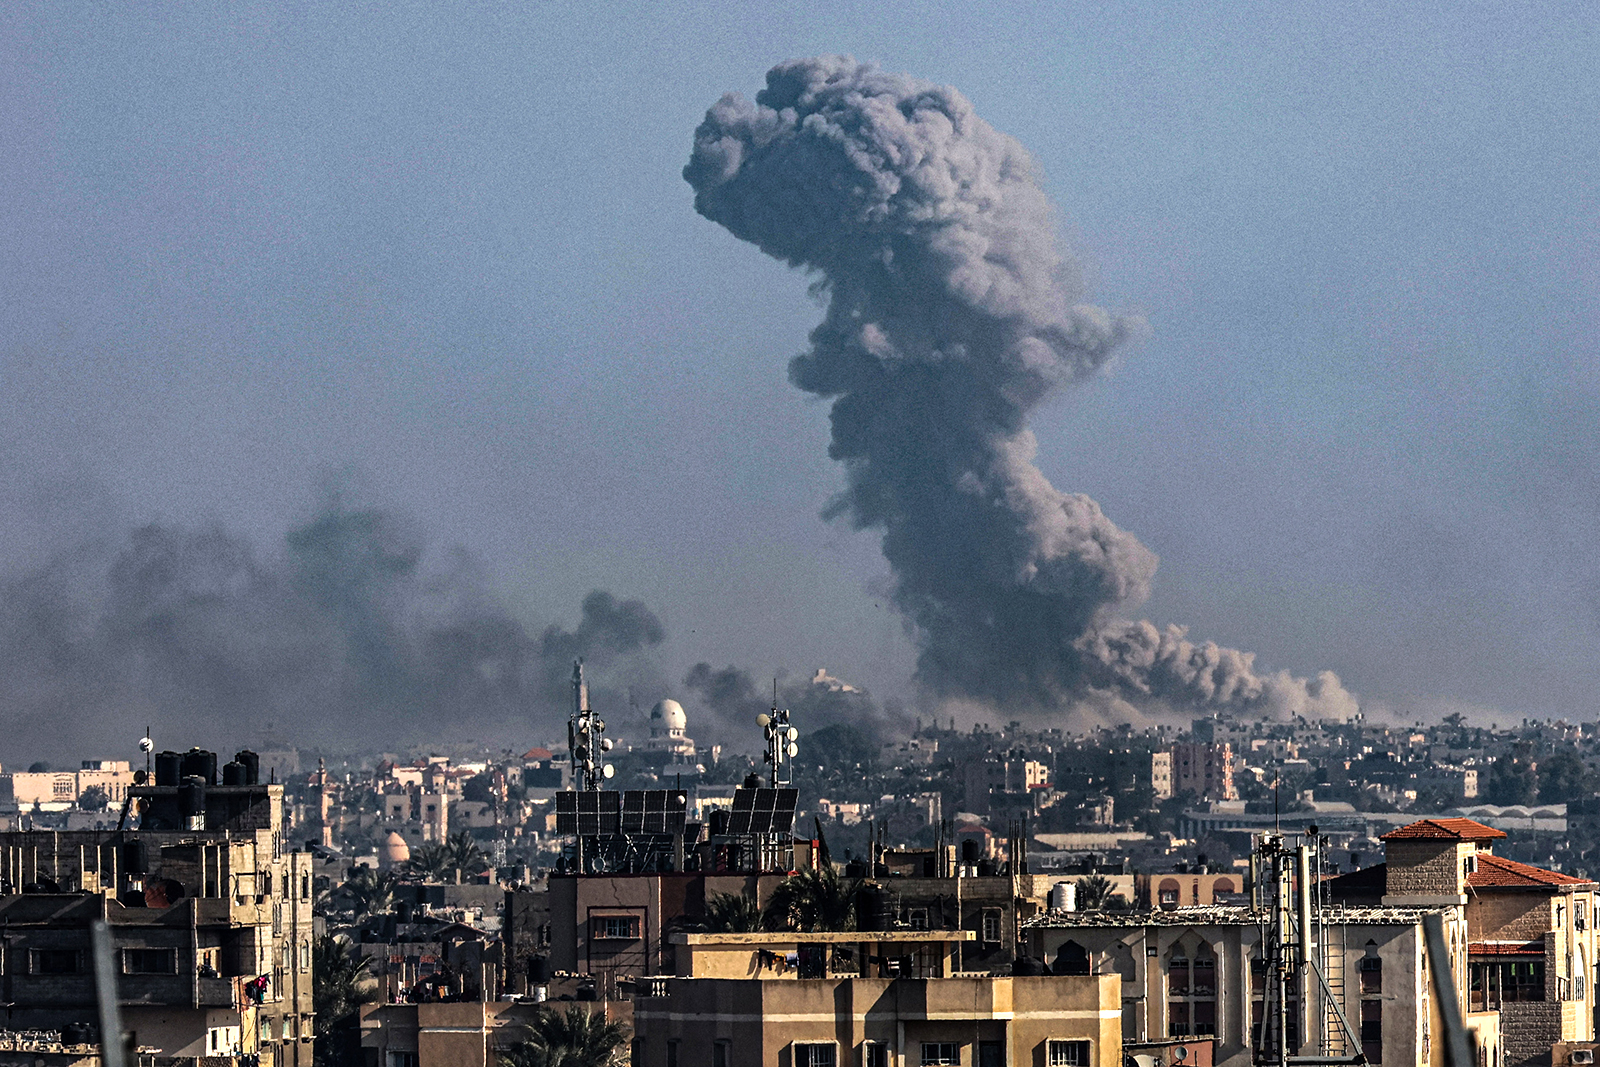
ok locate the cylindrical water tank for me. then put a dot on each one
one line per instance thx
(1064, 897)
(252, 766)
(199, 763)
(192, 796)
(169, 768)
(233, 773)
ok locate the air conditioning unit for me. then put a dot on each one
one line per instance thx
(1581, 1055)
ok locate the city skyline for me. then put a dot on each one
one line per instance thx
(446, 261)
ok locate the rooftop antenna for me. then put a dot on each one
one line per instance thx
(781, 738)
(584, 743)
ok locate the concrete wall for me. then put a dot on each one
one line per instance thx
(1426, 867)
(761, 1021)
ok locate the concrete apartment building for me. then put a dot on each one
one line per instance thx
(1193, 976)
(1531, 932)
(865, 1000)
(21, 791)
(209, 912)
(1203, 769)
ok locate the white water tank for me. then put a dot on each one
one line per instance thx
(1064, 896)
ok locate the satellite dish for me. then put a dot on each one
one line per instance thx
(794, 750)
(794, 735)
(146, 745)
(763, 719)
(608, 772)
(1180, 1053)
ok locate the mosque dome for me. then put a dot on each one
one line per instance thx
(668, 715)
(395, 851)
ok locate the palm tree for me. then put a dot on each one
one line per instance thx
(430, 862)
(732, 913)
(1094, 892)
(816, 900)
(339, 987)
(372, 891)
(464, 852)
(574, 1038)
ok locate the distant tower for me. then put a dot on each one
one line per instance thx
(584, 740)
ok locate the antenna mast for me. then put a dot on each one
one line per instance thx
(584, 740)
(781, 738)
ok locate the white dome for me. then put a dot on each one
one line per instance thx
(669, 713)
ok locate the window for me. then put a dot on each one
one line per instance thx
(402, 1059)
(935, 1053)
(1371, 975)
(721, 1054)
(991, 1054)
(616, 927)
(874, 1054)
(1192, 994)
(811, 961)
(814, 1054)
(1372, 1030)
(149, 961)
(991, 925)
(1067, 1054)
(54, 961)
(917, 918)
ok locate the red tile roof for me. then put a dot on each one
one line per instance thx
(1444, 830)
(1506, 948)
(1497, 871)
(538, 753)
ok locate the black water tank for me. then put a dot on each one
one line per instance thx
(1027, 967)
(539, 970)
(192, 796)
(135, 857)
(169, 768)
(969, 851)
(199, 763)
(719, 822)
(77, 1034)
(252, 766)
(233, 773)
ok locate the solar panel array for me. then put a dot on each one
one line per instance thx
(763, 811)
(588, 812)
(654, 811)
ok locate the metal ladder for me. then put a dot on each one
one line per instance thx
(1333, 967)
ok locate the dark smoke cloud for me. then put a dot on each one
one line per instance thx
(728, 700)
(353, 636)
(951, 314)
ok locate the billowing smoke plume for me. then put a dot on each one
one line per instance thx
(353, 636)
(951, 314)
(731, 698)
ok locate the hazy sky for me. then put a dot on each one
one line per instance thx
(444, 252)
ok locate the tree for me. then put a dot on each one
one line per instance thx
(817, 900)
(1094, 892)
(573, 1038)
(464, 853)
(372, 892)
(94, 798)
(339, 986)
(1510, 781)
(1562, 778)
(732, 913)
(430, 862)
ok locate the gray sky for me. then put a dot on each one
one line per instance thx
(444, 252)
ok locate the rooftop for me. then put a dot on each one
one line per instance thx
(830, 937)
(1499, 872)
(1444, 830)
(1221, 915)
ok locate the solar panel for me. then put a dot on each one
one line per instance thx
(588, 812)
(763, 811)
(654, 811)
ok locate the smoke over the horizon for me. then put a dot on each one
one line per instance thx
(951, 314)
(352, 637)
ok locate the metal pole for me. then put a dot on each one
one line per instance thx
(112, 1051)
(1458, 1049)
